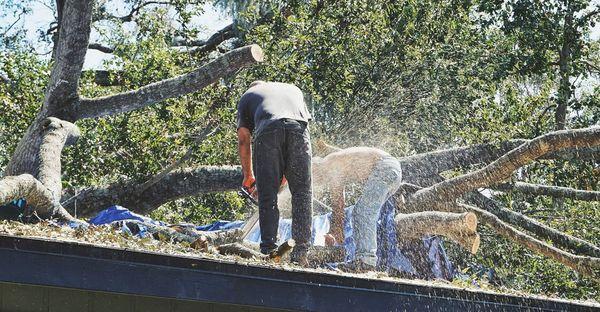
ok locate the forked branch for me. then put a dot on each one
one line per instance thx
(437, 195)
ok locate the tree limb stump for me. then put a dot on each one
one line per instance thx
(459, 227)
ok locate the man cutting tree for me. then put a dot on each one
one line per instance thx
(275, 115)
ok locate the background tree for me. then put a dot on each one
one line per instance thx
(552, 38)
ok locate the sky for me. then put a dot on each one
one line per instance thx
(41, 16)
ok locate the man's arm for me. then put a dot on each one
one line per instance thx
(245, 151)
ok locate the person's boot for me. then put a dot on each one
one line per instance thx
(356, 266)
(267, 251)
(299, 256)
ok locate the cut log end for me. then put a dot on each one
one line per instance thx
(476, 243)
(469, 242)
(257, 53)
(200, 244)
(282, 250)
(471, 222)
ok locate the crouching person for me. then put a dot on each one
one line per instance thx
(380, 174)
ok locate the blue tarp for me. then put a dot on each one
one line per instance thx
(221, 226)
(118, 213)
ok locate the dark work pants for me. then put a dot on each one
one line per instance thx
(283, 148)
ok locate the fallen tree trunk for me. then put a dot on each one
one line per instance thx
(177, 184)
(585, 265)
(557, 237)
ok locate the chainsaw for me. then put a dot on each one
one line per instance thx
(244, 192)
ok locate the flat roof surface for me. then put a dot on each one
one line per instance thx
(80, 266)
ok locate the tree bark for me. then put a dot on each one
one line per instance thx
(240, 250)
(38, 197)
(177, 184)
(62, 89)
(55, 134)
(417, 167)
(43, 194)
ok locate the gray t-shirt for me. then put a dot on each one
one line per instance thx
(268, 102)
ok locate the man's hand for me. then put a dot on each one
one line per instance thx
(249, 184)
(284, 182)
(245, 151)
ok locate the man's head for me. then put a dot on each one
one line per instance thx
(256, 83)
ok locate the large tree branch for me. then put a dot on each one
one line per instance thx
(70, 53)
(169, 88)
(553, 191)
(416, 167)
(459, 227)
(100, 47)
(201, 46)
(55, 134)
(557, 237)
(38, 196)
(436, 196)
(177, 184)
(197, 46)
(585, 265)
